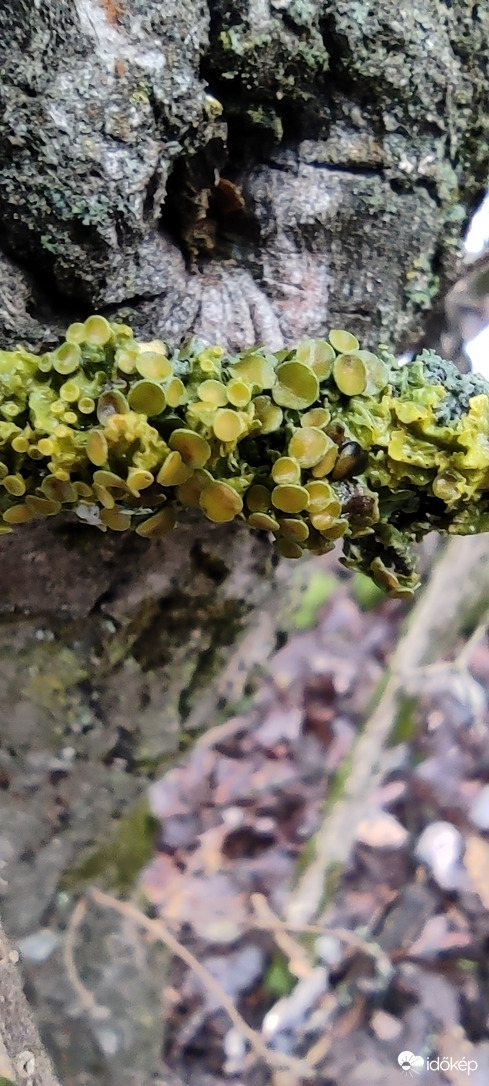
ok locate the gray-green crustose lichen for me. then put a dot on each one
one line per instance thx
(315, 443)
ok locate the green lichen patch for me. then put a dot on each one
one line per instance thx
(118, 861)
(314, 444)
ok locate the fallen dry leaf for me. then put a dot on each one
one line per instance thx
(381, 830)
(437, 937)
(476, 862)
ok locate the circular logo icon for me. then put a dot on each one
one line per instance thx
(409, 1062)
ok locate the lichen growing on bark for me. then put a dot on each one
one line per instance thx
(311, 444)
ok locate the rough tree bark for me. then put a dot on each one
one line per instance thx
(241, 170)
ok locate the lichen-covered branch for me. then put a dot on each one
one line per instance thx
(311, 444)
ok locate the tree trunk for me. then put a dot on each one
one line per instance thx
(245, 172)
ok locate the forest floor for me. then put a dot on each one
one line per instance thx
(398, 963)
(393, 961)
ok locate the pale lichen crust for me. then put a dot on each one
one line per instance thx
(313, 444)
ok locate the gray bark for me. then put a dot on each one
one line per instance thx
(22, 1054)
(247, 171)
(354, 137)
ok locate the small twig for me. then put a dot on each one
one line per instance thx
(158, 930)
(299, 961)
(267, 920)
(85, 996)
(320, 1049)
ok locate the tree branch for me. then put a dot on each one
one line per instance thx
(321, 442)
(456, 597)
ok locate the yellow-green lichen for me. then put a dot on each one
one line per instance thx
(312, 444)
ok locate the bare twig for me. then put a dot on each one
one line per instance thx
(300, 963)
(158, 930)
(85, 996)
(87, 1000)
(267, 920)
